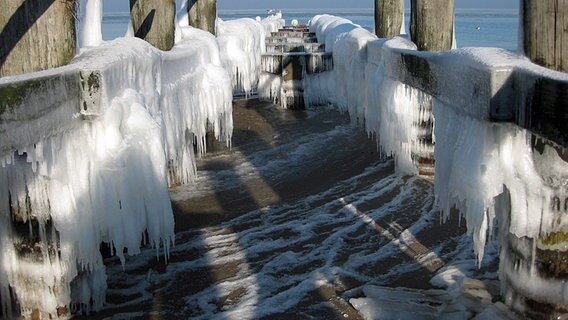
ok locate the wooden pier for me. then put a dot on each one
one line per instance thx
(44, 93)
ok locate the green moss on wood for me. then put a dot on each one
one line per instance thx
(12, 95)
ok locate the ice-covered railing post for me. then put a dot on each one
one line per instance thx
(432, 24)
(389, 18)
(534, 265)
(36, 35)
(154, 21)
(431, 29)
(543, 36)
(202, 14)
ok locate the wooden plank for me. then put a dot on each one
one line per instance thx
(36, 35)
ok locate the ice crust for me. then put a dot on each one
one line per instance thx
(105, 178)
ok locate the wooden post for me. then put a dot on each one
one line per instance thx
(36, 35)
(202, 14)
(544, 32)
(432, 24)
(154, 21)
(389, 17)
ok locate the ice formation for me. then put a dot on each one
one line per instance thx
(90, 25)
(360, 85)
(105, 179)
(478, 162)
(242, 43)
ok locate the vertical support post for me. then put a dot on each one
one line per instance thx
(389, 18)
(36, 35)
(90, 34)
(526, 261)
(154, 21)
(202, 14)
(544, 32)
(432, 24)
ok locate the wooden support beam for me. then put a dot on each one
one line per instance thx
(154, 21)
(544, 33)
(36, 35)
(432, 24)
(389, 17)
(203, 14)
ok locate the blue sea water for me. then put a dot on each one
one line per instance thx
(474, 27)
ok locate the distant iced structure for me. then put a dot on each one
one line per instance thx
(273, 22)
(103, 176)
(242, 43)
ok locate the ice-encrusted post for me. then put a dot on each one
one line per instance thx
(432, 24)
(389, 17)
(202, 14)
(154, 21)
(36, 35)
(544, 34)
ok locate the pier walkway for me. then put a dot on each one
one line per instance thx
(297, 219)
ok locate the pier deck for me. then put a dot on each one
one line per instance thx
(282, 225)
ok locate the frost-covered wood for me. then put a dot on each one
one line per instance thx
(36, 35)
(389, 17)
(545, 35)
(154, 21)
(432, 24)
(202, 14)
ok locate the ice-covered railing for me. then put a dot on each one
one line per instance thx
(242, 42)
(88, 151)
(499, 129)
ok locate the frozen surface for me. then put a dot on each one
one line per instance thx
(106, 179)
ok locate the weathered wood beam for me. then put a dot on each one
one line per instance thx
(203, 14)
(389, 17)
(432, 24)
(154, 21)
(36, 35)
(544, 35)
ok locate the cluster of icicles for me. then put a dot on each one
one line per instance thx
(106, 179)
